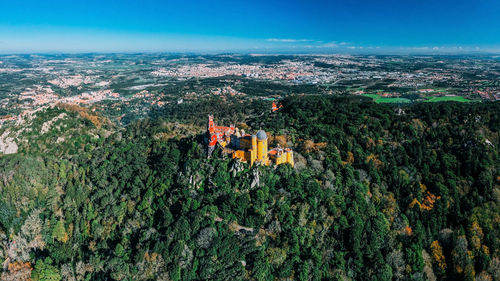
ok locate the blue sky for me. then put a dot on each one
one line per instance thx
(250, 26)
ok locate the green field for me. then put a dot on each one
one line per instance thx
(453, 98)
(378, 99)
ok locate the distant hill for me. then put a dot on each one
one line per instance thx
(377, 193)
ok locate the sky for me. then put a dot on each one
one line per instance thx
(292, 26)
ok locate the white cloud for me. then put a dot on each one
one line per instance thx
(318, 44)
(287, 40)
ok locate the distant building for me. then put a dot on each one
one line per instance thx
(276, 107)
(426, 90)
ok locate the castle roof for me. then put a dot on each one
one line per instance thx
(261, 135)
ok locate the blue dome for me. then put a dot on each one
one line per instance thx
(261, 135)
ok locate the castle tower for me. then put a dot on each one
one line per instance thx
(253, 151)
(211, 125)
(261, 146)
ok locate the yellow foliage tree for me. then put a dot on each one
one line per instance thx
(280, 140)
(437, 255)
(349, 160)
(17, 271)
(83, 112)
(309, 146)
(374, 158)
(407, 230)
(476, 234)
(428, 202)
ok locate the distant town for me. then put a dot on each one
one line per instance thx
(122, 84)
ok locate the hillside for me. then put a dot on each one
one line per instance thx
(377, 193)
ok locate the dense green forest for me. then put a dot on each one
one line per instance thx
(377, 193)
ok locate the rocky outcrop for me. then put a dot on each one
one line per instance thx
(236, 168)
(255, 179)
(7, 144)
(300, 161)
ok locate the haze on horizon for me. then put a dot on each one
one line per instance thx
(358, 26)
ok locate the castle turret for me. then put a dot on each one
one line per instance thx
(289, 157)
(261, 145)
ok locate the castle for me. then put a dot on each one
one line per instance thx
(248, 148)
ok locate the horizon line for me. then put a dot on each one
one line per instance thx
(261, 52)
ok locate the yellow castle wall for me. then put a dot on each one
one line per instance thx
(262, 149)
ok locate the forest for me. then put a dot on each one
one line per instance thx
(378, 192)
